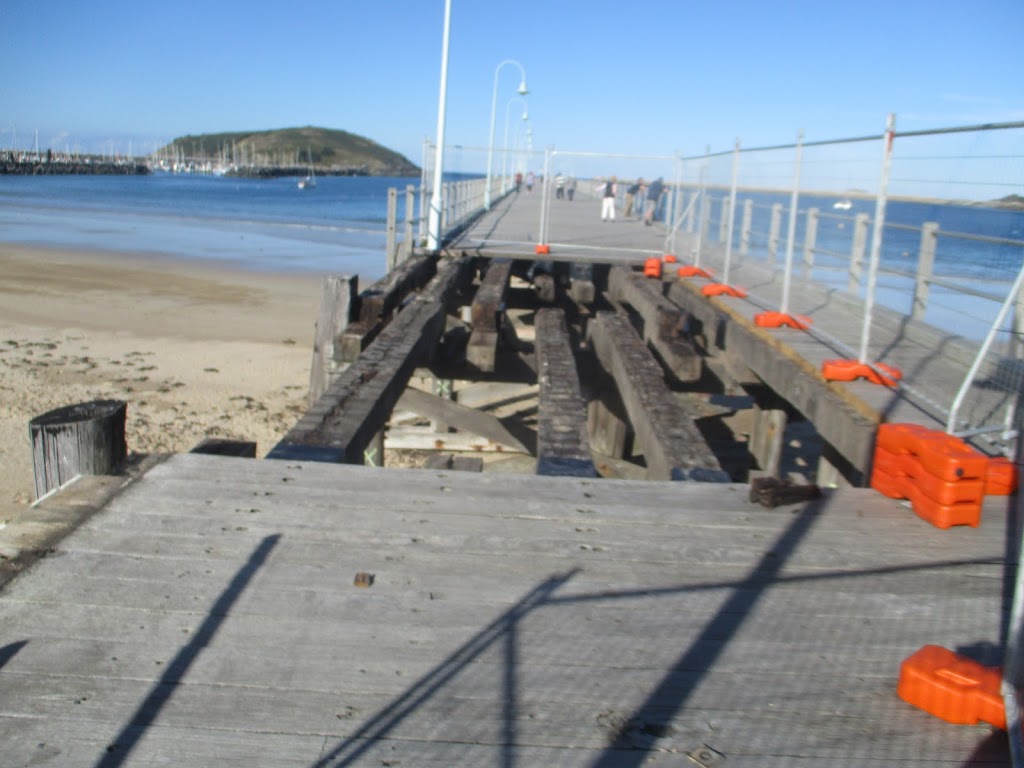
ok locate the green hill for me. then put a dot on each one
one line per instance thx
(327, 150)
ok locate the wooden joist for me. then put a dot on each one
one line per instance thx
(354, 409)
(379, 301)
(665, 323)
(562, 444)
(459, 417)
(673, 447)
(487, 315)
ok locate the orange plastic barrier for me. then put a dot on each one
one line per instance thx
(669, 258)
(850, 370)
(952, 687)
(1001, 477)
(944, 478)
(652, 267)
(779, 319)
(692, 271)
(720, 289)
(542, 248)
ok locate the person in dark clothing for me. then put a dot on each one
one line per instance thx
(632, 191)
(654, 193)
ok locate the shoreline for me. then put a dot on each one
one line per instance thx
(195, 349)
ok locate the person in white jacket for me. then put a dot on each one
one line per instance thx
(607, 192)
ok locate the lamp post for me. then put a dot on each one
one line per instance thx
(522, 91)
(434, 217)
(504, 146)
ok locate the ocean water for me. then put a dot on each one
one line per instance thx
(258, 224)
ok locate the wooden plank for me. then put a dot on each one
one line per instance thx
(563, 446)
(342, 423)
(673, 447)
(459, 417)
(664, 323)
(379, 301)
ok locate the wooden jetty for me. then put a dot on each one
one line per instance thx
(602, 588)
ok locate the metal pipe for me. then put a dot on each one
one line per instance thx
(434, 221)
(794, 200)
(876, 236)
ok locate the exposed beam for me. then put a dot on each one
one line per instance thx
(563, 447)
(665, 324)
(486, 312)
(459, 417)
(673, 447)
(343, 422)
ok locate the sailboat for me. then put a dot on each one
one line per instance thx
(310, 181)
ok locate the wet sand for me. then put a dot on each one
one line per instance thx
(195, 350)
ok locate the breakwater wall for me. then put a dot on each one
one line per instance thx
(43, 167)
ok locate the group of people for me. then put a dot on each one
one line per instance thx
(650, 194)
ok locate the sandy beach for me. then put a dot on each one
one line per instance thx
(194, 350)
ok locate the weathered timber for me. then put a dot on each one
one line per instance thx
(673, 447)
(336, 303)
(82, 439)
(342, 423)
(581, 282)
(443, 410)
(665, 324)
(223, 446)
(486, 315)
(377, 303)
(845, 421)
(563, 447)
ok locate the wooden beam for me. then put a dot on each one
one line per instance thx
(673, 447)
(486, 315)
(379, 301)
(563, 447)
(665, 324)
(459, 417)
(844, 420)
(343, 422)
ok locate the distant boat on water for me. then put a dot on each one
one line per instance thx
(842, 205)
(309, 182)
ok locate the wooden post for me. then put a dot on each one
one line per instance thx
(390, 253)
(335, 306)
(410, 218)
(860, 241)
(748, 215)
(810, 240)
(925, 267)
(773, 233)
(83, 439)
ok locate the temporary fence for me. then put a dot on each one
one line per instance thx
(904, 256)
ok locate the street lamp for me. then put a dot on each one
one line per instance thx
(504, 148)
(434, 216)
(522, 91)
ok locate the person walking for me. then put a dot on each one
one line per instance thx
(529, 182)
(654, 192)
(632, 191)
(559, 186)
(608, 200)
(570, 188)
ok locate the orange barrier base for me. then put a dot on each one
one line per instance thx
(850, 370)
(947, 457)
(1001, 477)
(692, 271)
(944, 516)
(652, 267)
(952, 687)
(721, 289)
(542, 249)
(669, 258)
(779, 319)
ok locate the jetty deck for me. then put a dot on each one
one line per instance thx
(304, 610)
(211, 613)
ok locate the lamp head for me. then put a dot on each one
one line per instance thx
(522, 91)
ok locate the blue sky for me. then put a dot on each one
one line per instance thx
(653, 77)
